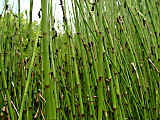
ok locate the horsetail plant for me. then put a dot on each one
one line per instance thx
(103, 65)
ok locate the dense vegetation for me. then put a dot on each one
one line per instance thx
(105, 66)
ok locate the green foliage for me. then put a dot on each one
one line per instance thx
(106, 68)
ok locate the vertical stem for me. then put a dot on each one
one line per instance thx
(74, 59)
(30, 90)
(2, 67)
(50, 108)
(19, 13)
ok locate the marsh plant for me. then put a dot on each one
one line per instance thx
(104, 65)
